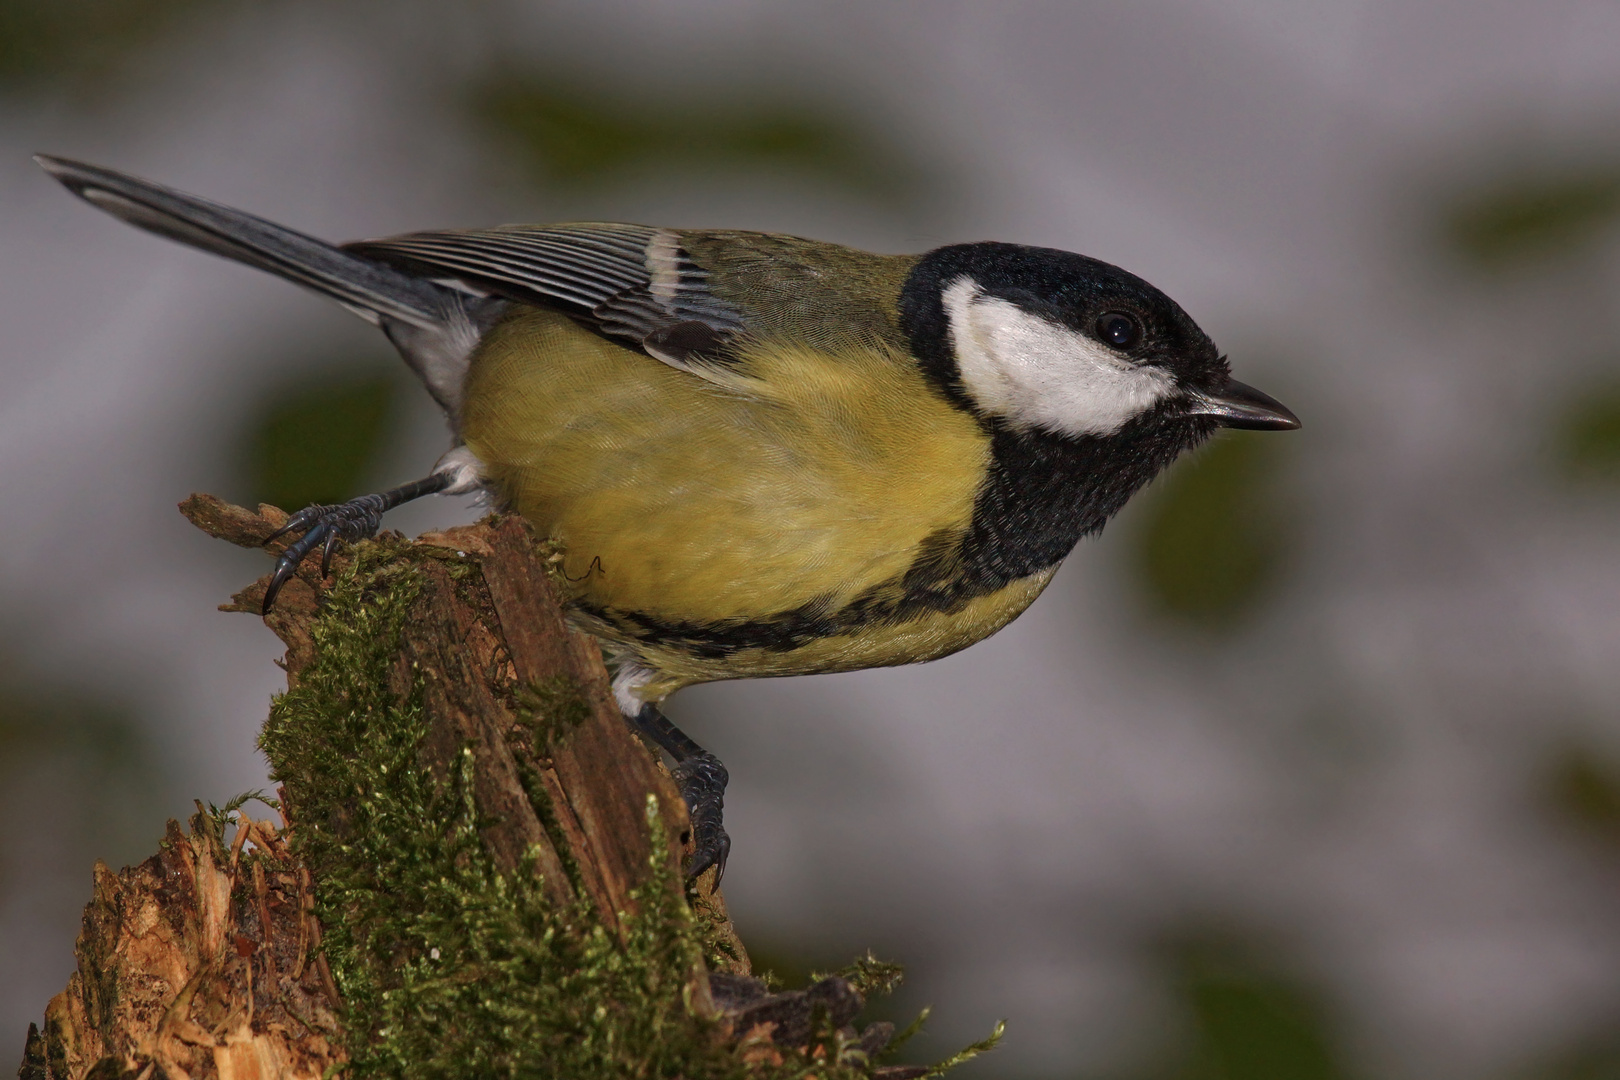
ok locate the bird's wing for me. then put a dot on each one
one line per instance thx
(630, 282)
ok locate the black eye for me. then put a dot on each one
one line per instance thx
(1119, 329)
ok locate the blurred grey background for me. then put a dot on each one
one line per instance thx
(1308, 768)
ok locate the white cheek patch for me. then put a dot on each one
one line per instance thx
(1036, 373)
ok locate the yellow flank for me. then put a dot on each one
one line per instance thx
(793, 478)
(928, 636)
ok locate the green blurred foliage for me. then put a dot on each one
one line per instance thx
(1587, 435)
(1214, 536)
(574, 136)
(1583, 786)
(317, 441)
(78, 781)
(1597, 1062)
(781, 965)
(1247, 1022)
(1533, 216)
(55, 41)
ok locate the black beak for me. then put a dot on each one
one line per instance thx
(1239, 405)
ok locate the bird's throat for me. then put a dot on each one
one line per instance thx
(1045, 492)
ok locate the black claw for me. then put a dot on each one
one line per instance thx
(702, 781)
(277, 580)
(326, 552)
(323, 527)
(294, 523)
(287, 565)
(714, 856)
(284, 570)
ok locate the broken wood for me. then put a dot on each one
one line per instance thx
(326, 944)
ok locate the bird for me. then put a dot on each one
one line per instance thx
(762, 455)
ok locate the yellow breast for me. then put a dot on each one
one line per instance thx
(793, 481)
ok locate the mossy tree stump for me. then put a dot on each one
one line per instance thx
(476, 869)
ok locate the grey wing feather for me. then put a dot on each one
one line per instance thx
(628, 281)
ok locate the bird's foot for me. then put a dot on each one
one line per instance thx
(700, 778)
(357, 519)
(323, 527)
(702, 782)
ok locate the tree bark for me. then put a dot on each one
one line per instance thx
(546, 851)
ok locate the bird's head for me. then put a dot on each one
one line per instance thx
(1037, 340)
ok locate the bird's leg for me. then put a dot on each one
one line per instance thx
(702, 782)
(357, 519)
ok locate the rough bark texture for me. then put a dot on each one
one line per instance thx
(207, 959)
(197, 962)
(475, 640)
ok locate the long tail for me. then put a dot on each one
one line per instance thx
(433, 326)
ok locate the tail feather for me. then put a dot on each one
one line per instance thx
(435, 327)
(367, 286)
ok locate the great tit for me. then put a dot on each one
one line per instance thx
(762, 455)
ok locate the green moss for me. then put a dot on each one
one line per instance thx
(870, 976)
(717, 939)
(551, 709)
(448, 967)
